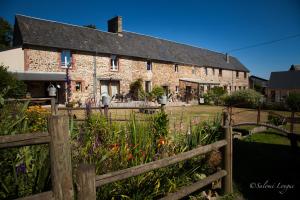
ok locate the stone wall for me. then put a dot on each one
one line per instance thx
(130, 69)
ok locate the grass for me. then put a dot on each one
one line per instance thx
(265, 157)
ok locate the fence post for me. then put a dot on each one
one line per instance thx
(86, 182)
(60, 153)
(293, 137)
(258, 114)
(106, 111)
(225, 118)
(228, 160)
(53, 109)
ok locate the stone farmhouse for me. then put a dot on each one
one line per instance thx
(282, 83)
(101, 62)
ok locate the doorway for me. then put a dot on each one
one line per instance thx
(109, 87)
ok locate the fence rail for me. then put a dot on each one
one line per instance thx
(24, 139)
(137, 170)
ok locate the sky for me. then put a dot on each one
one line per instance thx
(213, 24)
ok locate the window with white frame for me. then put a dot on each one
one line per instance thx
(114, 63)
(149, 65)
(66, 59)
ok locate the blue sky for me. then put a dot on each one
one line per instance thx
(213, 24)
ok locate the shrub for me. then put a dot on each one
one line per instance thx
(10, 87)
(156, 92)
(243, 98)
(136, 89)
(276, 120)
(293, 101)
(215, 95)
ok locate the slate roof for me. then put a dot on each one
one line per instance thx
(285, 80)
(33, 31)
(295, 67)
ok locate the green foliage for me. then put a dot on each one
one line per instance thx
(136, 89)
(5, 33)
(156, 92)
(205, 133)
(258, 88)
(243, 98)
(293, 101)
(24, 170)
(9, 85)
(276, 120)
(138, 142)
(215, 95)
(160, 125)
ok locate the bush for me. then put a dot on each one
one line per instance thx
(136, 89)
(156, 92)
(243, 98)
(276, 120)
(293, 101)
(10, 87)
(215, 95)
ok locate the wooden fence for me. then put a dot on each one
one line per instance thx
(61, 169)
(87, 180)
(60, 153)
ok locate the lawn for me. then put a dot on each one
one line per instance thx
(263, 164)
(181, 116)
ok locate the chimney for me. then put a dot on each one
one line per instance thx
(227, 57)
(114, 25)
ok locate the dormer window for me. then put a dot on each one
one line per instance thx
(206, 71)
(149, 65)
(114, 63)
(176, 68)
(66, 59)
(213, 69)
(245, 75)
(237, 74)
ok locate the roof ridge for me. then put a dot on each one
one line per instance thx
(190, 45)
(64, 23)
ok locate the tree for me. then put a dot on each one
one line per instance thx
(93, 26)
(5, 33)
(10, 87)
(293, 101)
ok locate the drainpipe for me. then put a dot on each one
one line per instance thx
(95, 79)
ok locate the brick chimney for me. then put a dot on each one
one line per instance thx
(114, 25)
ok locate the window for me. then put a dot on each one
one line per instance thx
(66, 59)
(148, 86)
(78, 86)
(234, 88)
(237, 74)
(220, 72)
(245, 75)
(176, 89)
(225, 87)
(149, 65)
(176, 68)
(114, 62)
(213, 69)
(230, 88)
(193, 70)
(206, 72)
(244, 87)
(240, 87)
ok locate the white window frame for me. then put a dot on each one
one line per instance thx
(66, 64)
(149, 63)
(114, 63)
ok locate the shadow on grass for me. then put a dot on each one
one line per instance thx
(260, 171)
